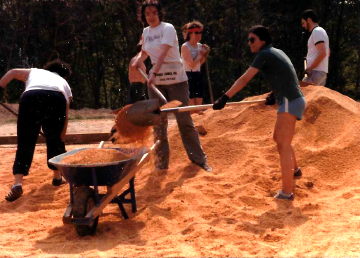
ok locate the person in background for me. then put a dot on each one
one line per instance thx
(44, 104)
(137, 88)
(278, 70)
(317, 58)
(160, 42)
(194, 54)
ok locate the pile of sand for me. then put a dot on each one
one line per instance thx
(186, 211)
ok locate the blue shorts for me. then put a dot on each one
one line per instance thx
(295, 107)
(316, 78)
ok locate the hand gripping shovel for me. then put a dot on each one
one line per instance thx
(161, 97)
(147, 112)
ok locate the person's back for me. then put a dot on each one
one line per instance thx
(278, 70)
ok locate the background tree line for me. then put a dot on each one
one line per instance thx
(98, 39)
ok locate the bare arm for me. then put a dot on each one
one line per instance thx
(164, 49)
(320, 56)
(18, 74)
(142, 56)
(242, 81)
(188, 58)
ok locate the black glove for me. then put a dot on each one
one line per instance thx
(270, 99)
(221, 102)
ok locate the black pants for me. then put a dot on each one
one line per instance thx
(196, 84)
(39, 109)
(136, 92)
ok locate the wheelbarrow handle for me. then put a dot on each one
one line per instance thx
(207, 106)
(161, 97)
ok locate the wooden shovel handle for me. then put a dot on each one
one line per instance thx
(158, 93)
(207, 106)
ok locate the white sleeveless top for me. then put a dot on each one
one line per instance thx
(194, 54)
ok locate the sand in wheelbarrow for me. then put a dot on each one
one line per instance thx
(95, 156)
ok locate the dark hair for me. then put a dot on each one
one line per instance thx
(191, 25)
(151, 3)
(310, 14)
(60, 67)
(262, 32)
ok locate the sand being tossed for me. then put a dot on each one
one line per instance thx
(229, 212)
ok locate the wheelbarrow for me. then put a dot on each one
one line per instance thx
(86, 203)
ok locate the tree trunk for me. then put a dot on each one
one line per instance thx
(358, 51)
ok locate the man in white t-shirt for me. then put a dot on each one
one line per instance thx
(44, 104)
(317, 58)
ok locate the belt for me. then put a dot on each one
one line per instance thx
(191, 71)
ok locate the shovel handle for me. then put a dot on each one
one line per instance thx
(158, 93)
(14, 113)
(8, 109)
(207, 106)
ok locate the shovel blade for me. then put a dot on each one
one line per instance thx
(144, 113)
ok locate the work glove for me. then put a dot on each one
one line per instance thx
(221, 102)
(270, 99)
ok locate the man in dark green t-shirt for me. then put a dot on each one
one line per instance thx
(278, 70)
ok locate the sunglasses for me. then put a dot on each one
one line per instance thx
(198, 32)
(251, 40)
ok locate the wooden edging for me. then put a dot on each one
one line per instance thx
(80, 138)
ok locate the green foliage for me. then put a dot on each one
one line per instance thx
(98, 39)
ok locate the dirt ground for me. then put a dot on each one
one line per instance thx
(186, 211)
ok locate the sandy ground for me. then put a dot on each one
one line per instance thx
(185, 211)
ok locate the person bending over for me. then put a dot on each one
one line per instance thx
(44, 104)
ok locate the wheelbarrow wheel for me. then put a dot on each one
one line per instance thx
(84, 201)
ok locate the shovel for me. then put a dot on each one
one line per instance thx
(147, 112)
(160, 96)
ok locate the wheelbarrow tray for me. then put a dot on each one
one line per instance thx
(107, 174)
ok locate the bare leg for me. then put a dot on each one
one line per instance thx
(18, 179)
(57, 174)
(283, 135)
(294, 158)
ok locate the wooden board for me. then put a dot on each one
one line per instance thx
(81, 138)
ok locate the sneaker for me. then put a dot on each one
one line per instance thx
(205, 166)
(298, 173)
(15, 193)
(58, 182)
(281, 196)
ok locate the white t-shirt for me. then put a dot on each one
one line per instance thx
(318, 35)
(194, 52)
(153, 38)
(172, 70)
(40, 79)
